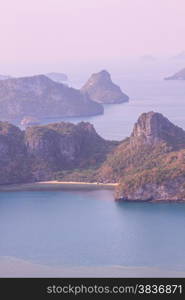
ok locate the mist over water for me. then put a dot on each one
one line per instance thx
(144, 83)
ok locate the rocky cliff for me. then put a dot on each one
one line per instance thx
(64, 146)
(14, 162)
(39, 152)
(153, 128)
(40, 97)
(150, 165)
(101, 89)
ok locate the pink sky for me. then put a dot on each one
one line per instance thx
(52, 31)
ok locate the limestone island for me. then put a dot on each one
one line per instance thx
(147, 166)
(177, 76)
(41, 97)
(101, 89)
(3, 77)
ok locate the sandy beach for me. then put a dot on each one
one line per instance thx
(56, 185)
(13, 267)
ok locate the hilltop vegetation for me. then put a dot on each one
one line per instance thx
(149, 165)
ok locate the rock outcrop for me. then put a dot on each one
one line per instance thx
(64, 146)
(39, 152)
(150, 165)
(177, 76)
(14, 162)
(101, 89)
(40, 97)
(153, 128)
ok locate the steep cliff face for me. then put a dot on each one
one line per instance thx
(40, 152)
(38, 96)
(150, 165)
(101, 89)
(152, 128)
(64, 146)
(14, 163)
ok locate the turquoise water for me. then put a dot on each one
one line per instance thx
(91, 229)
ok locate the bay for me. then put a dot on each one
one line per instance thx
(89, 228)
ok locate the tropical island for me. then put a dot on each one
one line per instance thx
(101, 89)
(147, 166)
(40, 97)
(46, 96)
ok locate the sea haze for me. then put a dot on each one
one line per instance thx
(145, 85)
(91, 229)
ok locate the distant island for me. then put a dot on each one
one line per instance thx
(3, 77)
(148, 166)
(148, 58)
(58, 77)
(46, 96)
(177, 76)
(40, 97)
(101, 89)
(179, 56)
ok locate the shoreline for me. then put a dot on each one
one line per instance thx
(56, 185)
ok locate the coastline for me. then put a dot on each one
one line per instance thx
(56, 185)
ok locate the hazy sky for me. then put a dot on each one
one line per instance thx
(49, 32)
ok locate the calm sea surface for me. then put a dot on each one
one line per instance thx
(166, 97)
(90, 228)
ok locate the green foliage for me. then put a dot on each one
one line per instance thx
(79, 175)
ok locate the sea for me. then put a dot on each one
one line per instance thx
(89, 228)
(144, 83)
